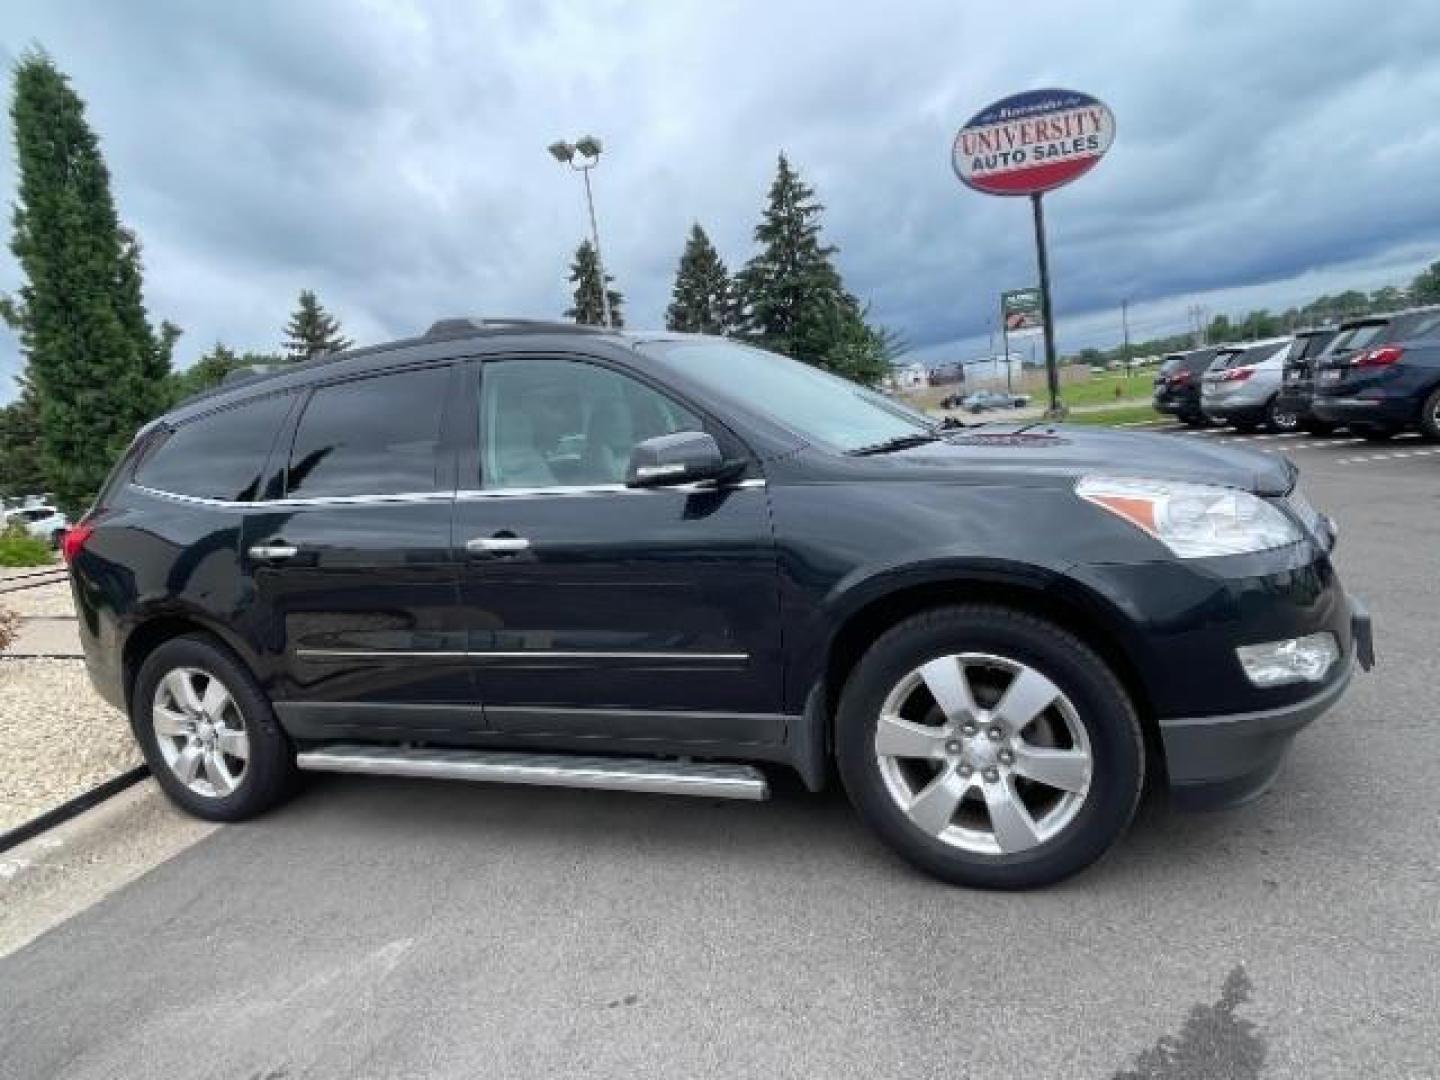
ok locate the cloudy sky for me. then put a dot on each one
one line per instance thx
(391, 155)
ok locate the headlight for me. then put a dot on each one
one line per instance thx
(1192, 520)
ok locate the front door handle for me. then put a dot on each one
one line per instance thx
(497, 545)
(273, 552)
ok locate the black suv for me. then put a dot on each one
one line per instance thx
(548, 555)
(1381, 375)
(1297, 379)
(1177, 384)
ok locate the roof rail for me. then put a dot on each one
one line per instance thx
(467, 325)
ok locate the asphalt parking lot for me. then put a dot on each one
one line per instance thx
(403, 929)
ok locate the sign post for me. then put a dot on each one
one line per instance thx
(1028, 144)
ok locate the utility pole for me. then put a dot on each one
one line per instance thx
(1125, 329)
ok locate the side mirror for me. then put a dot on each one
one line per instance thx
(681, 458)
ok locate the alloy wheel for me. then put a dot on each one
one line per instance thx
(200, 732)
(984, 753)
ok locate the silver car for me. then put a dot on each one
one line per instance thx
(1242, 385)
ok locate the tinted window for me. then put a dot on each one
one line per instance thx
(1418, 324)
(376, 436)
(218, 456)
(549, 423)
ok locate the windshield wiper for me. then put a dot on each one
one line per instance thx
(899, 442)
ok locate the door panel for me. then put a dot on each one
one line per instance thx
(353, 567)
(639, 602)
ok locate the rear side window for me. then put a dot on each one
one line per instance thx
(1420, 324)
(217, 456)
(374, 436)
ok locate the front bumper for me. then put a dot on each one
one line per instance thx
(1220, 761)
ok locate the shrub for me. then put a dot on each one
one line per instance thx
(9, 623)
(19, 548)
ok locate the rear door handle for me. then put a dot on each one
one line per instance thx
(497, 545)
(273, 552)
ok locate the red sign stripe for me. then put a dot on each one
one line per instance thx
(1035, 178)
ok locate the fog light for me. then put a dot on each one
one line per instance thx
(1276, 663)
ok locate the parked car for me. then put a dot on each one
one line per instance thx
(1241, 387)
(1177, 384)
(44, 521)
(1297, 379)
(548, 554)
(981, 400)
(1383, 376)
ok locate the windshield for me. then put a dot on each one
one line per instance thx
(815, 405)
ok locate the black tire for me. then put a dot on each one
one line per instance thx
(269, 772)
(1373, 434)
(1194, 421)
(1101, 703)
(1319, 427)
(1430, 416)
(1278, 420)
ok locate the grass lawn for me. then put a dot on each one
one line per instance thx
(1100, 389)
(1126, 413)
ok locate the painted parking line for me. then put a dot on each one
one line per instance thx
(1393, 455)
(1318, 444)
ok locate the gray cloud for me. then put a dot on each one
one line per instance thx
(391, 155)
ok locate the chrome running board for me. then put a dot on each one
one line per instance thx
(714, 780)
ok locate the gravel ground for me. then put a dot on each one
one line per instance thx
(43, 600)
(59, 738)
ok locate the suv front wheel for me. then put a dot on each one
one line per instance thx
(989, 748)
(209, 735)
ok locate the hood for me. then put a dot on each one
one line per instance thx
(1074, 450)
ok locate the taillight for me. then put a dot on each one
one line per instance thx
(1180, 377)
(1239, 374)
(74, 540)
(1382, 357)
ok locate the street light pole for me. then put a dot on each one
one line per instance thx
(595, 239)
(583, 155)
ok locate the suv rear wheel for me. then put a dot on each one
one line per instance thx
(208, 734)
(1430, 416)
(989, 748)
(1281, 418)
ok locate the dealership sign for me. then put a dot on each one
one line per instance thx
(1033, 142)
(1022, 311)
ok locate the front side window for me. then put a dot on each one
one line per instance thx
(217, 456)
(813, 404)
(563, 423)
(373, 436)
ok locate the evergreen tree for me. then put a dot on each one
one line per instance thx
(1425, 289)
(589, 308)
(97, 368)
(793, 299)
(20, 472)
(701, 300)
(312, 331)
(212, 368)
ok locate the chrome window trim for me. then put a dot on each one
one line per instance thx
(443, 496)
(572, 490)
(319, 500)
(520, 654)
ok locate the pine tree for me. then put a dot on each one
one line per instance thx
(793, 299)
(20, 472)
(97, 368)
(1425, 289)
(312, 331)
(589, 309)
(701, 300)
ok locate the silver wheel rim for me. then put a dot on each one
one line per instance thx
(984, 753)
(200, 732)
(1286, 421)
